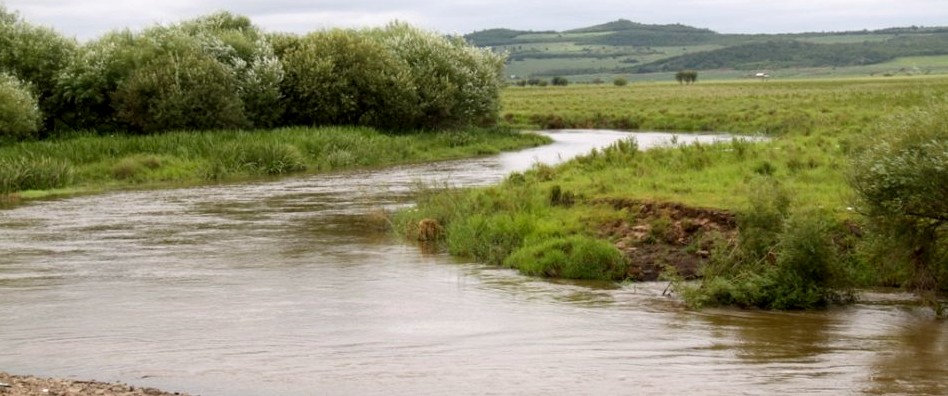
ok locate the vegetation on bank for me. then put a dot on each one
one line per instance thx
(216, 98)
(91, 162)
(221, 71)
(803, 235)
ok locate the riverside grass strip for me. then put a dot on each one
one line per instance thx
(93, 163)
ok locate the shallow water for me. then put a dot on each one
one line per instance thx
(282, 287)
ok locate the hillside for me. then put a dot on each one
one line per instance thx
(650, 52)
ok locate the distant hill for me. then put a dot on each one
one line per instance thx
(627, 47)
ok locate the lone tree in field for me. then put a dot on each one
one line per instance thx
(902, 185)
(686, 77)
(560, 81)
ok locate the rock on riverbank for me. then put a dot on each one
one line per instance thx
(22, 385)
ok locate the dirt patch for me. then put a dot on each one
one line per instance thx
(661, 234)
(21, 385)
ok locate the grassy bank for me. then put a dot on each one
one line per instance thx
(787, 202)
(93, 163)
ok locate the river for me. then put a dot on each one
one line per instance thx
(283, 288)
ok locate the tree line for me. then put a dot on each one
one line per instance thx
(220, 71)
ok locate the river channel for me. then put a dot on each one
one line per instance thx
(282, 288)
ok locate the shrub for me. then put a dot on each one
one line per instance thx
(341, 77)
(456, 84)
(35, 55)
(219, 65)
(782, 260)
(19, 111)
(901, 181)
(574, 257)
(620, 82)
(559, 81)
(184, 89)
(247, 52)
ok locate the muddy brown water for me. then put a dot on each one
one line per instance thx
(279, 288)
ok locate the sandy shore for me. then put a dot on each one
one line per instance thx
(24, 385)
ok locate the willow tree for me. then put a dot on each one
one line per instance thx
(902, 185)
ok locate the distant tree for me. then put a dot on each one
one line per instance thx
(620, 82)
(686, 77)
(560, 81)
(536, 82)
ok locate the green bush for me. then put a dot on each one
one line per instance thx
(620, 82)
(184, 89)
(782, 260)
(762, 222)
(901, 181)
(573, 257)
(342, 77)
(35, 55)
(219, 66)
(19, 111)
(247, 52)
(456, 84)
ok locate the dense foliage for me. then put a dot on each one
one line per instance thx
(19, 111)
(901, 181)
(781, 260)
(220, 71)
(34, 55)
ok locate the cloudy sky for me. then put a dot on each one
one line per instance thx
(89, 18)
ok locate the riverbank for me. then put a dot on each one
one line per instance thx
(86, 164)
(789, 198)
(24, 385)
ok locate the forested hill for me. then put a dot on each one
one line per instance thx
(627, 47)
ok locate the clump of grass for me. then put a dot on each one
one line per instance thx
(34, 173)
(573, 257)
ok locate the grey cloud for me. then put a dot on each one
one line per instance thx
(89, 18)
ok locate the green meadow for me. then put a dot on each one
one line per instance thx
(790, 193)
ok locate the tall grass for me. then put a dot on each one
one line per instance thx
(34, 173)
(191, 157)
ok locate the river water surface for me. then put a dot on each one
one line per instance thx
(283, 288)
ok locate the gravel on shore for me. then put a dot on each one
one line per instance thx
(24, 385)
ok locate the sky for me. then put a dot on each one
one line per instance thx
(87, 19)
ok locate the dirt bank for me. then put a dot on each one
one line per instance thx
(660, 234)
(20, 385)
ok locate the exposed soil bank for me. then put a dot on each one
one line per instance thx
(660, 234)
(20, 385)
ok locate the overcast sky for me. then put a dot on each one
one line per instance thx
(89, 18)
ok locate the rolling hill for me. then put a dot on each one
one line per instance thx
(651, 52)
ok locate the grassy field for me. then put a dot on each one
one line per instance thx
(812, 126)
(828, 107)
(94, 163)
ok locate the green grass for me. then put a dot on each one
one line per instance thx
(830, 107)
(812, 126)
(95, 163)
